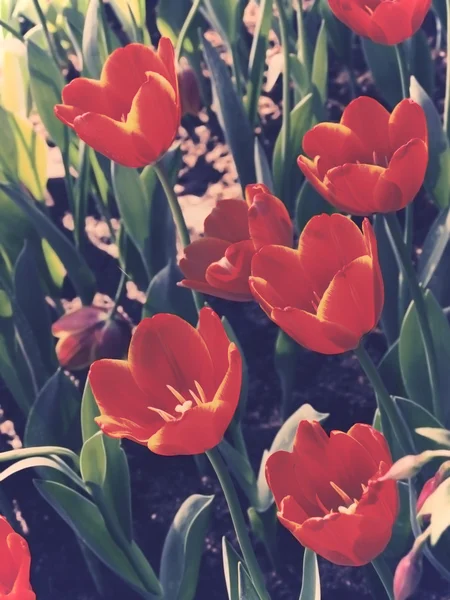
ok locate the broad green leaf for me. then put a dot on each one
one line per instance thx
(435, 258)
(15, 228)
(55, 269)
(257, 59)
(240, 468)
(310, 578)
(54, 416)
(11, 377)
(286, 354)
(46, 84)
(390, 372)
(437, 179)
(89, 411)
(87, 522)
(131, 14)
(224, 16)
(422, 64)
(232, 117)
(286, 175)
(37, 462)
(231, 560)
(77, 269)
(34, 307)
(246, 589)
(412, 354)
(262, 167)
(309, 203)
(416, 416)
(438, 507)
(95, 51)
(382, 61)
(183, 548)
(319, 75)
(283, 440)
(15, 84)
(170, 17)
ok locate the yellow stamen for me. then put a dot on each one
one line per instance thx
(177, 395)
(163, 414)
(182, 408)
(322, 505)
(345, 497)
(201, 392)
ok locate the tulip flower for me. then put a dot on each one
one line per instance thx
(328, 494)
(383, 21)
(219, 263)
(191, 102)
(14, 565)
(178, 390)
(370, 162)
(327, 294)
(132, 114)
(88, 334)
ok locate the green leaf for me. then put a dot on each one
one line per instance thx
(283, 440)
(263, 170)
(104, 468)
(183, 548)
(246, 589)
(164, 295)
(416, 416)
(15, 227)
(94, 46)
(46, 84)
(434, 259)
(437, 179)
(224, 17)
(89, 411)
(310, 578)
(382, 61)
(390, 372)
(34, 307)
(413, 359)
(233, 120)
(77, 269)
(437, 506)
(53, 418)
(87, 522)
(422, 64)
(286, 175)
(132, 19)
(319, 75)
(309, 203)
(11, 377)
(240, 468)
(339, 35)
(257, 59)
(38, 462)
(171, 15)
(231, 560)
(286, 354)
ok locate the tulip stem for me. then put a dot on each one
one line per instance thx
(178, 218)
(385, 575)
(403, 69)
(239, 523)
(405, 263)
(384, 399)
(184, 30)
(286, 126)
(447, 79)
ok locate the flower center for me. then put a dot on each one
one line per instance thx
(349, 505)
(184, 404)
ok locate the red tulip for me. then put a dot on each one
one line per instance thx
(383, 21)
(219, 263)
(87, 334)
(370, 162)
(178, 390)
(328, 494)
(132, 114)
(327, 294)
(14, 565)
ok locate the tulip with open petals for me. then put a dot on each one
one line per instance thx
(14, 565)
(328, 492)
(219, 263)
(327, 294)
(178, 390)
(370, 162)
(383, 21)
(132, 114)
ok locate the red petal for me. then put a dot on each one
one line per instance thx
(407, 121)
(89, 95)
(231, 273)
(370, 121)
(253, 189)
(394, 20)
(351, 188)
(372, 250)
(309, 169)
(213, 332)
(199, 255)
(269, 222)
(77, 320)
(228, 221)
(353, 15)
(334, 143)
(265, 294)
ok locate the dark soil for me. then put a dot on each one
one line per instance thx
(331, 384)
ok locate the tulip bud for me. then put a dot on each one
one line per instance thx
(432, 484)
(88, 334)
(191, 102)
(407, 575)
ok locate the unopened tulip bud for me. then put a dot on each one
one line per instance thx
(88, 334)
(191, 102)
(407, 575)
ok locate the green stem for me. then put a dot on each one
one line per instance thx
(178, 217)
(303, 53)
(236, 69)
(187, 23)
(384, 399)
(447, 79)
(385, 575)
(239, 523)
(48, 37)
(67, 176)
(119, 291)
(235, 430)
(419, 302)
(286, 125)
(403, 69)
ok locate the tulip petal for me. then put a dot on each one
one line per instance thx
(326, 245)
(8, 566)
(372, 250)
(370, 121)
(282, 269)
(402, 180)
(351, 187)
(315, 334)
(166, 53)
(213, 332)
(269, 222)
(334, 143)
(67, 114)
(380, 498)
(166, 350)
(309, 169)
(20, 554)
(419, 9)
(199, 255)
(228, 221)
(89, 95)
(265, 294)
(407, 122)
(394, 20)
(77, 350)
(231, 273)
(80, 319)
(123, 406)
(203, 427)
(373, 441)
(350, 298)
(353, 15)
(252, 190)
